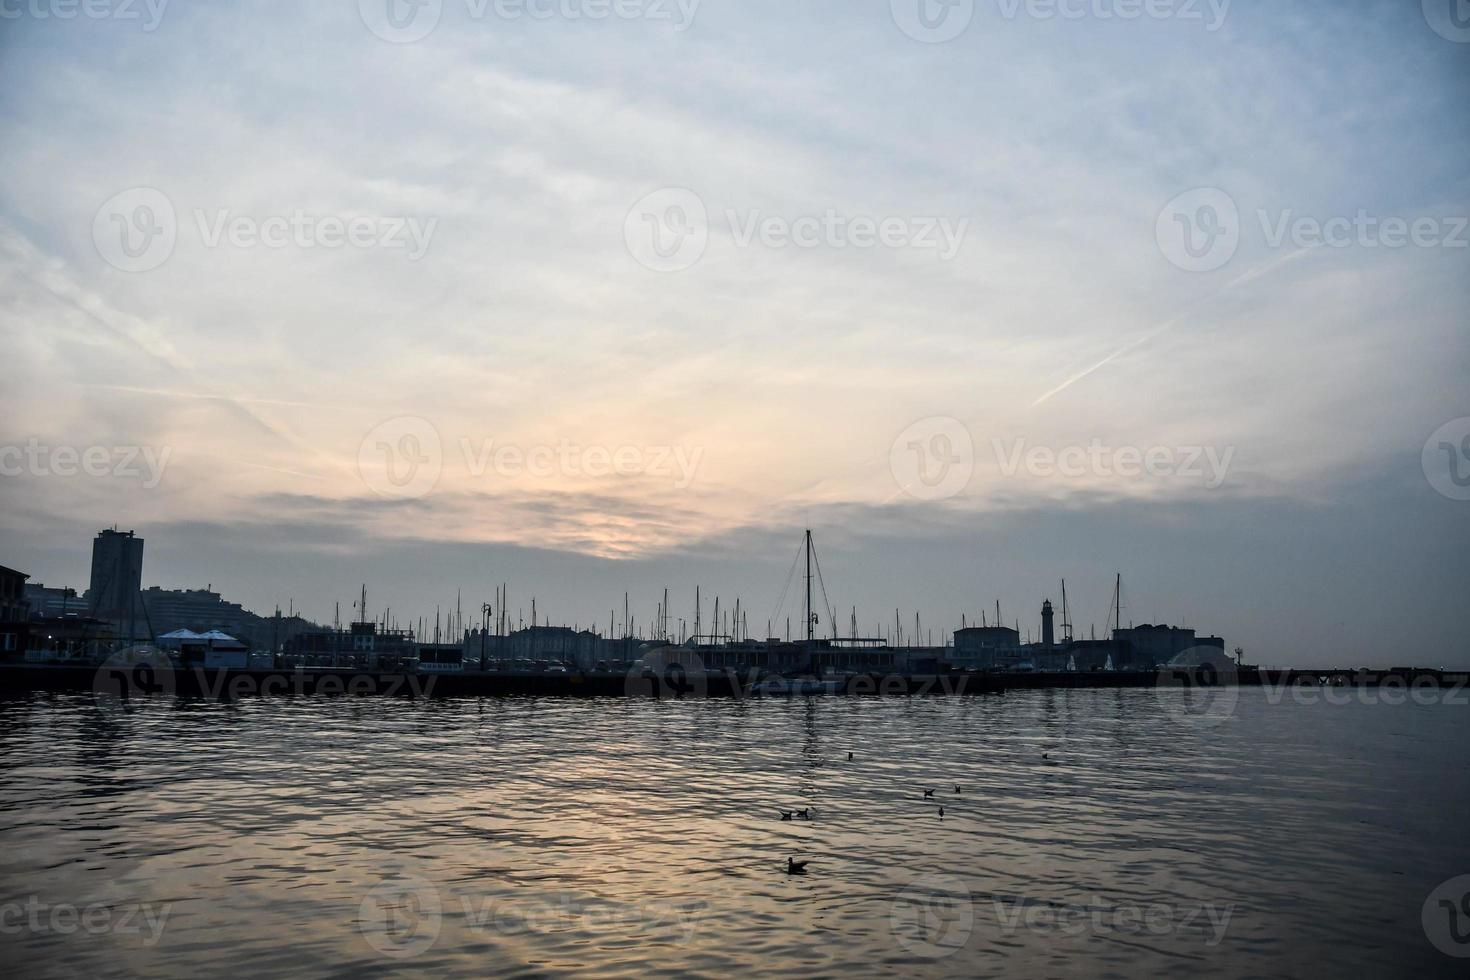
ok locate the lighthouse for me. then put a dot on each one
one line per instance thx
(1048, 638)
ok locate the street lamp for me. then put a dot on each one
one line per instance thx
(484, 631)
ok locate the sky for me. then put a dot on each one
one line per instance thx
(592, 297)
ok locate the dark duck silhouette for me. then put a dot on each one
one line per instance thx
(786, 814)
(805, 814)
(928, 794)
(795, 867)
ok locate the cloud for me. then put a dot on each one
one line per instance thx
(791, 370)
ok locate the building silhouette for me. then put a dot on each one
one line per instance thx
(117, 580)
(14, 611)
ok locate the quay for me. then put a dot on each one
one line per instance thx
(145, 678)
(161, 677)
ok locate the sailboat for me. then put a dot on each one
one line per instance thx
(796, 683)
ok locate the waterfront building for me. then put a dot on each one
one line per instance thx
(822, 656)
(208, 649)
(47, 602)
(361, 645)
(1148, 646)
(72, 639)
(14, 611)
(441, 658)
(1045, 658)
(202, 610)
(855, 656)
(117, 580)
(195, 609)
(983, 647)
(1090, 655)
(559, 644)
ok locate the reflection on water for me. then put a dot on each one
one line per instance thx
(559, 837)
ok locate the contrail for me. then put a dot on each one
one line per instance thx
(1168, 325)
(197, 396)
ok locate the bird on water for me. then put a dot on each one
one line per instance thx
(941, 813)
(849, 757)
(957, 789)
(928, 794)
(786, 814)
(795, 867)
(805, 814)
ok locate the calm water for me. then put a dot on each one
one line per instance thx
(359, 837)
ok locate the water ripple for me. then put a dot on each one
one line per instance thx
(544, 837)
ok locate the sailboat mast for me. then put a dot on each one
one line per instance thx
(1116, 608)
(809, 630)
(1066, 614)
